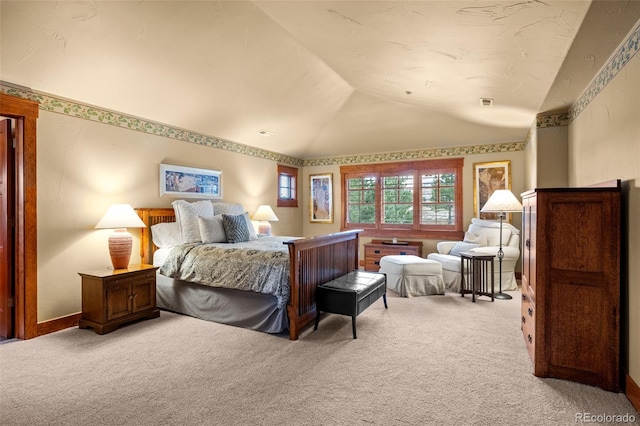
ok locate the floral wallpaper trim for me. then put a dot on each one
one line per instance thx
(416, 155)
(76, 109)
(553, 120)
(627, 50)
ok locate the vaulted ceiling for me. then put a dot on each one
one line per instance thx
(326, 78)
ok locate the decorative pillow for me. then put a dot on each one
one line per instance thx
(212, 229)
(493, 236)
(227, 208)
(481, 239)
(235, 227)
(253, 235)
(462, 246)
(165, 234)
(187, 218)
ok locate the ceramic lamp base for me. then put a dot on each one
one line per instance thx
(264, 228)
(120, 243)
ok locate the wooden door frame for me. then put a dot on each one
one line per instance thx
(25, 112)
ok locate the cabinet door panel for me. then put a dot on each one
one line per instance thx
(144, 296)
(118, 300)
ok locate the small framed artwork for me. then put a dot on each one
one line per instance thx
(321, 203)
(487, 177)
(190, 182)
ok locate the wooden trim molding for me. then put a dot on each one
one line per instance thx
(25, 113)
(58, 324)
(632, 390)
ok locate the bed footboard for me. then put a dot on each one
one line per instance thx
(312, 262)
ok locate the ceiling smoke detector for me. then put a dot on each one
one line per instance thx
(486, 102)
(265, 133)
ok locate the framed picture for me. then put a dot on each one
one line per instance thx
(321, 204)
(189, 182)
(487, 177)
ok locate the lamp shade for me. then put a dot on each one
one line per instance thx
(120, 217)
(265, 213)
(502, 200)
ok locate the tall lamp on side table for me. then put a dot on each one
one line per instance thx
(502, 201)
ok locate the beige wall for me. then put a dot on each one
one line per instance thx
(552, 157)
(604, 144)
(84, 166)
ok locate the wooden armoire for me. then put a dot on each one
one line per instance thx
(571, 283)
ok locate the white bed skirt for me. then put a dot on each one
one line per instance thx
(246, 309)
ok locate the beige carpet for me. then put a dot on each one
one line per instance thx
(436, 360)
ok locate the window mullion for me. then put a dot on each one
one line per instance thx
(378, 200)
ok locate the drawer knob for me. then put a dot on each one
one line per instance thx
(530, 339)
(524, 319)
(376, 262)
(524, 297)
(530, 312)
(403, 253)
(376, 251)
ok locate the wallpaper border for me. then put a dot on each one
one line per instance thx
(628, 49)
(84, 111)
(59, 105)
(416, 155)
(553, 120)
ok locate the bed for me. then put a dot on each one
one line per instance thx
(310, 262)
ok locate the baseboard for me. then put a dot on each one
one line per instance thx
(58, 324)
(633, 393)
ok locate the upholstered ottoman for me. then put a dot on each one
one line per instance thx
(410, 275)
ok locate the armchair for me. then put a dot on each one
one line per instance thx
(483, 236)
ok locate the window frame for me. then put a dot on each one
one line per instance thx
(292, 174)
(417, 169)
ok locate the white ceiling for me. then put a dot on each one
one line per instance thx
(328, 78)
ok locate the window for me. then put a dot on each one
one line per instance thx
(287, 186)
(416, 199)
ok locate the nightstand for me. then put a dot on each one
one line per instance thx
(112, 297)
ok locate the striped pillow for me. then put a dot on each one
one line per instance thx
(235, 227)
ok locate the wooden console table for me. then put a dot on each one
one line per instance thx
(376, 249)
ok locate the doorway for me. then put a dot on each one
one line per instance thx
(7, 226)
(23, 114)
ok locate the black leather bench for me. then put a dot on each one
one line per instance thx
(350, 295)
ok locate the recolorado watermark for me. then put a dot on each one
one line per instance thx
(605, 418)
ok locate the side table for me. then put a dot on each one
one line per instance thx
(113, 297)
(479, 267)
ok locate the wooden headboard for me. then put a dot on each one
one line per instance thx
(150, 217)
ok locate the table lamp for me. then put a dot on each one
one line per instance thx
(264, 215)
(501, 202)
(119, 217)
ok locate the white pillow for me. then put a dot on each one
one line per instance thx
(212, 229)
(227, 208)
(461, 246)
(187, 218)
(481, 239)
(253, 235)
(165, 235)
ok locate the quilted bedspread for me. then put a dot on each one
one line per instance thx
(260, 265)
